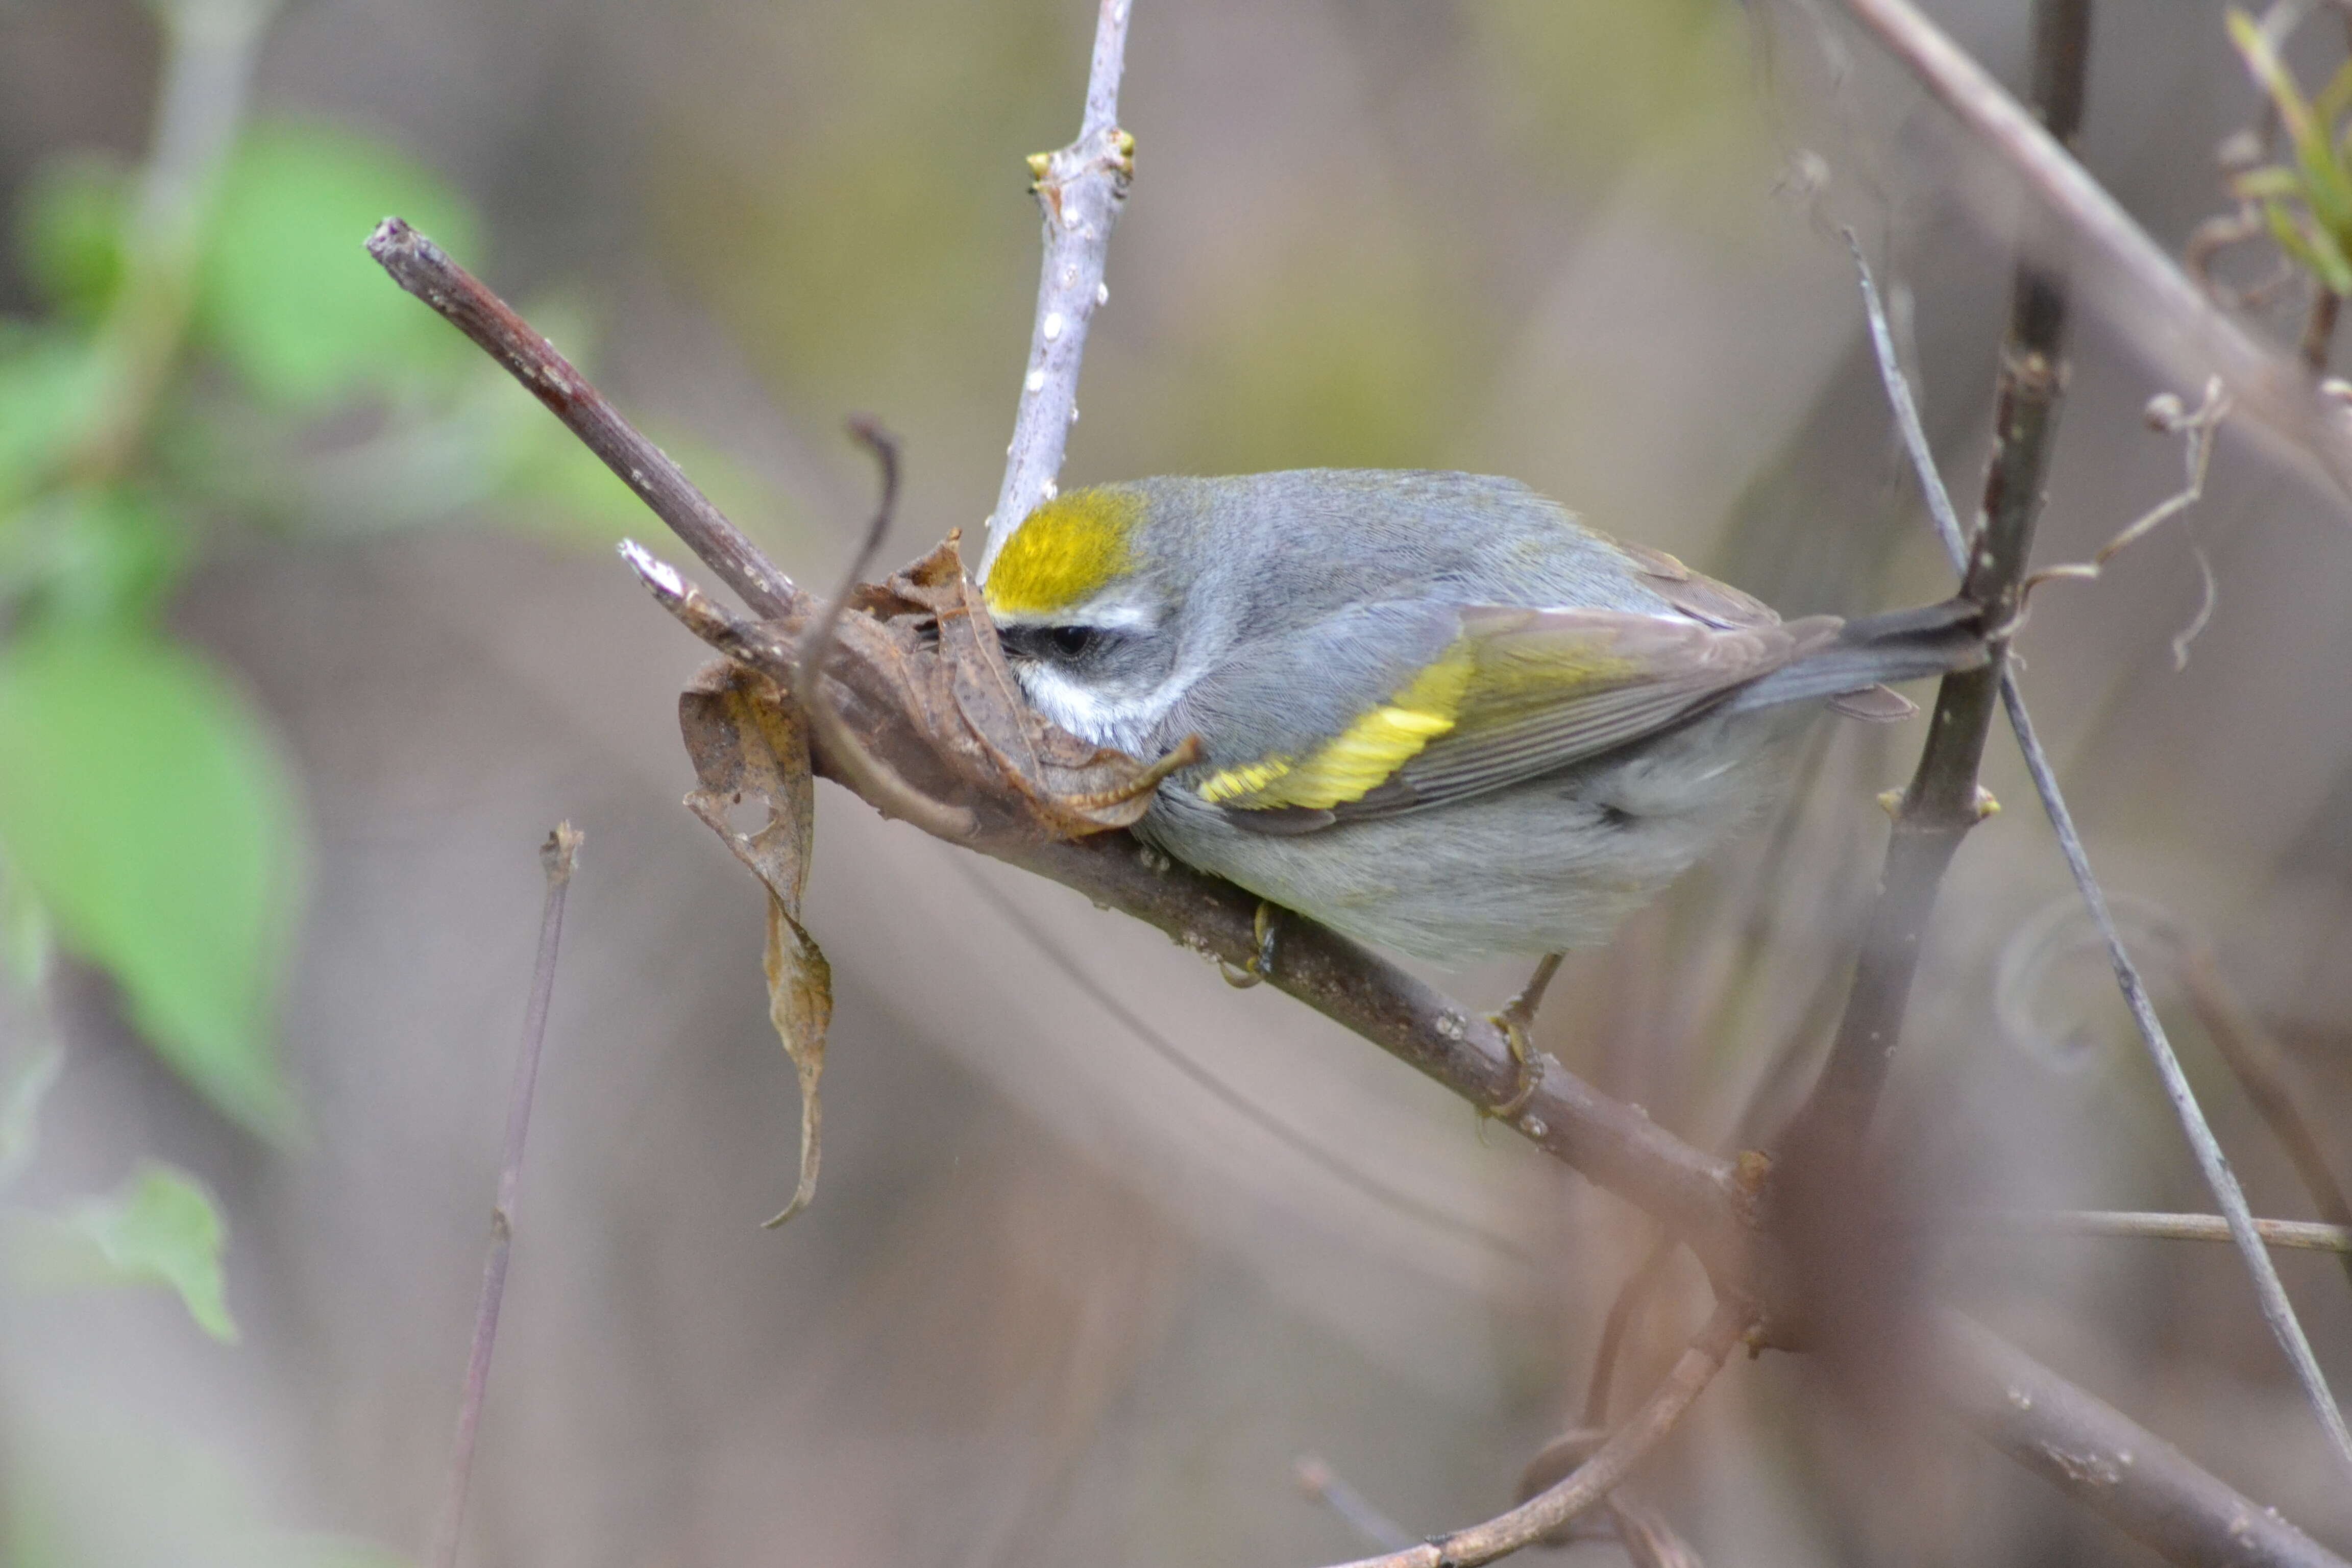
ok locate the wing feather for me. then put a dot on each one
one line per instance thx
(1543, 690)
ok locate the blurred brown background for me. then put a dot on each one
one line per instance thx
(1056, 1304)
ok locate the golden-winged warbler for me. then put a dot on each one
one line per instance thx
(1437, 713)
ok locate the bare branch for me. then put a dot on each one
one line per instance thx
(1868, 1048)
(2149, 296)
(2261, 1069)
(1320, 1482)
(1591, 1482)
(2288, 1232)
(1079, 189)
(1709, 1202)
(425, 269)
(1944, 800)
(558, 856)
(2277, 1310)
(2099, 1456)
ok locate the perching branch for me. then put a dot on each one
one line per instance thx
(1707, 1201)
(558, 856)
(2141, 288)
(1079, 190)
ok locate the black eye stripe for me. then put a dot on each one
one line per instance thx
(1063, 645)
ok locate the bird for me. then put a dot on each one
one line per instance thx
(1435, 711)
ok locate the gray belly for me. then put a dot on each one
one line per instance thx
(1552, 864)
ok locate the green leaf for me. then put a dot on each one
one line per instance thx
(87, 554)
(2310, 245)
(49, 386)
(2269, 183)
(159, 1227)
(146, 804)
(289, 294)
(2270, 74)
(70, 232)
(2335, 98)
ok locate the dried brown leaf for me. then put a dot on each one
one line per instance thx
(748, 743)
(916, 674)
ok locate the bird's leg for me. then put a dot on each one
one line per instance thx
(1517, 1016)
(1241, 977)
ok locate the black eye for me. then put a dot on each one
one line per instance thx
(1071, 642)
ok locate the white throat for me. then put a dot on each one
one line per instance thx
(1125, 722)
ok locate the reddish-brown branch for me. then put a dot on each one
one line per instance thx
(1704, 1200)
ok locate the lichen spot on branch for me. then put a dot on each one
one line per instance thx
(1066, 551)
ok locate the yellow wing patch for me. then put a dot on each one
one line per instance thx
(1354, 763)
(1065, 552)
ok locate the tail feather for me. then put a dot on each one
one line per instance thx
(1901, 645)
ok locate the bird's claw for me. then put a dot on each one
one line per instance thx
(1514, 1020)
(1241, 976)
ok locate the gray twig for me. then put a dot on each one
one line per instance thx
(2277, 1310)
(2136, 1225)
(1079, 189)
(1944, 800)
(558, 856)
(2142, 289)
(1325, 1485)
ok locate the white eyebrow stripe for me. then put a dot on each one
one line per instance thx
(1120, 616)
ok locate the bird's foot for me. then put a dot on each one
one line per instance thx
(1241, 976)
(1517, 1016)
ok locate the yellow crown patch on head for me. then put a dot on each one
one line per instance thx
(1065, 552)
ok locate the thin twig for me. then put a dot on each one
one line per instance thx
(2198, 431)
(877, 781)
(1325, 1485)
(558, 856)
(1080, 189)
(425, 269)
(2277, 1310)
(2143, 293)
(2287, 1233)
(2260, 1068)
(1630, 1297)
(1592, 1481)
(1944, 800)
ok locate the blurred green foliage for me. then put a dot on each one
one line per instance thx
(145, 802)
(159, 1228)
(215, 360)
(2306, 202)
